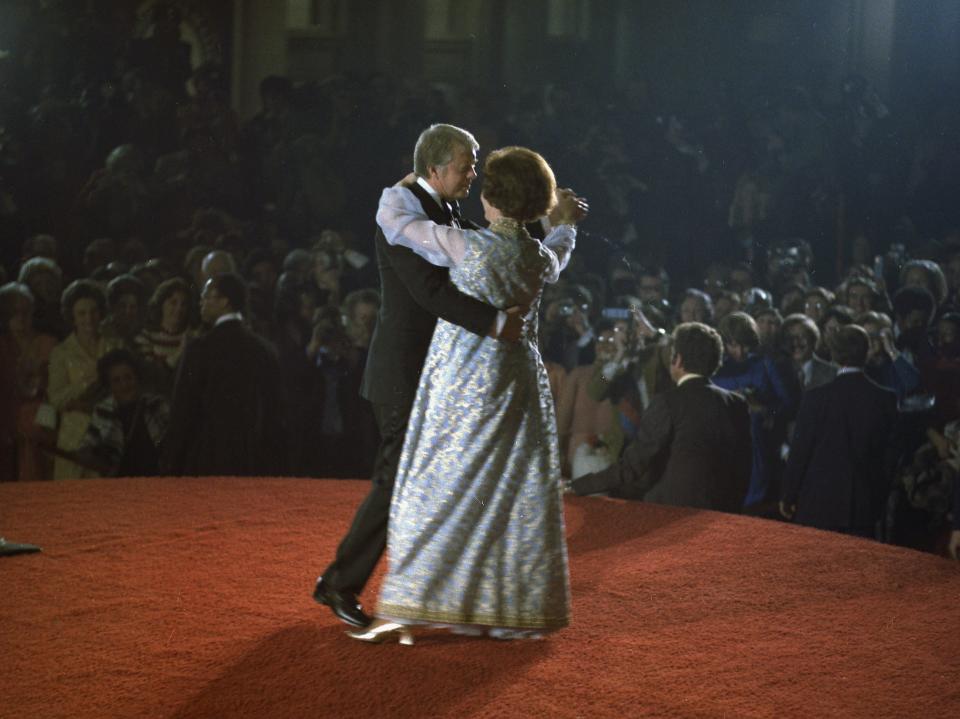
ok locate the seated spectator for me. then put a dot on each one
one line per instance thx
(24, 358)
(692, 447)
(162, 341)
(45, 280)
(885, 365)
(72, 388)
(800, 337)
(126, 300)
(696, 306)
(126, 429)
(843, 450)
(771, 403)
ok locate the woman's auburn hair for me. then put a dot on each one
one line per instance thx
(519, 183)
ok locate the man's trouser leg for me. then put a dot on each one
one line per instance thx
(363, 545)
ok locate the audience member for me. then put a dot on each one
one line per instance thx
(693, 442)
(800, 336)
(927, 275)
(360, 309)
(771, 403)
(696, 306)
(45, 280)
(126, 428)
(816, 300)
(126, 302)
(227, 416)
(73, 388)
(841, 459)
(162, 341)
(24, 359)
(215, 263)
(584, 423)
(885, 365)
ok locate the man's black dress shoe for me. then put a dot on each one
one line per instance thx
(343, 604)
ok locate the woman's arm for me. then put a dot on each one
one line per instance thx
(559, 245)
(403, 222)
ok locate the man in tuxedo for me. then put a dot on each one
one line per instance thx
(414, 294)
(692, 446)
(842, 454)
(227, 415)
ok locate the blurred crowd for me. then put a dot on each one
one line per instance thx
(127, 182)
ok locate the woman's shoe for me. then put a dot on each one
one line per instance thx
(385, 632)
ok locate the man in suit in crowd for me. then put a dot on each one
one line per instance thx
(227, 416)
(801, 337)
(414, 294)
(692, 446)
(841, 456)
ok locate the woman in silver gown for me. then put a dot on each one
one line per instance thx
(476, 536)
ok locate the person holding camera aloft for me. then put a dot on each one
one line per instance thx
(631, 368)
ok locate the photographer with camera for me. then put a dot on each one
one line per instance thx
(632, 366)
(567, 336)
(341, 437)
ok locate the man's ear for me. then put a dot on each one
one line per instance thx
(676, 361)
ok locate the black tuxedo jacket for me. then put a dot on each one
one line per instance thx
(413, 294)
(227, 415)
(842, 452)
(692, 449)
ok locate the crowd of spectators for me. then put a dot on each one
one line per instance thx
(127, 181)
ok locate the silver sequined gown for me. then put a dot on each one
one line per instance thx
(476, 534)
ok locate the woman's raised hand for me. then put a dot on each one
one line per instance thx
(570, 209)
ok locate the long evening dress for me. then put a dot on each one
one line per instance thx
(476, 534)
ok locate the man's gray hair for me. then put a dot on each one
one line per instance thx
(436, 144)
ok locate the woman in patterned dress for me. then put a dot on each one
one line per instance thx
(476, 536)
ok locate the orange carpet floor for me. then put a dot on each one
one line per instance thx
(191, 598)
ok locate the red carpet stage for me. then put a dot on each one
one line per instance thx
(191, 598)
